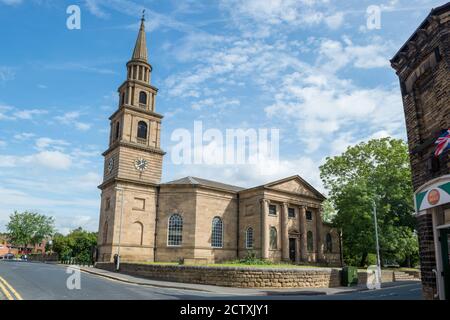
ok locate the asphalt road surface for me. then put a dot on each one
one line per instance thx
(38, 281)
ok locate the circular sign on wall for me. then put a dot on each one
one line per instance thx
(433, 197)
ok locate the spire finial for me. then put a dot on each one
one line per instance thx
(140, 49)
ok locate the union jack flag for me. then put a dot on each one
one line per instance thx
(443, 143)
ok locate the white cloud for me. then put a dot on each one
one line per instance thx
(320, 110)
(335, 55)
(29, 114)
(70, 118)
(251, 175)
(52, 159)
(82, 126)
(11, 2)
(24, 136)
(48, 159)
(94, 8)
(45, 143)
(11, 113)
(264, 18)
(335, 21)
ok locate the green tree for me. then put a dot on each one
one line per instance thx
(29, 228)
(78, 244)
(374, 171)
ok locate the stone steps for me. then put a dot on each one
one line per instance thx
(403, 276)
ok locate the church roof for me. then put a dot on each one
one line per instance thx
(140, 49)
(203, 182)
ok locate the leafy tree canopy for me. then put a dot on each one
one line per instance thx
(376, 171)
(78, 244)
(29, 228)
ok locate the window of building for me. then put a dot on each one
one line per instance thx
(122, 99)
(249, 238)
(217, 233)
(309, 241)
(273, 238)
(272, 209)
(328, 243)
(175, 230)
(117, 130)
(142, 130)
(142, 98)
(291, 212)
(308, 215)
(107, 203)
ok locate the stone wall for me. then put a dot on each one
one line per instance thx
(241, 277)
(386, 276)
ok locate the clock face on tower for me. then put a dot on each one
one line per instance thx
(110, 165)
(140, 164)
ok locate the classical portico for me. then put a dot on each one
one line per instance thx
(290, 221)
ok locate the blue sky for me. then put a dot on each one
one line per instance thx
(308, 67)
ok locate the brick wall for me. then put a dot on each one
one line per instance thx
(422, 66)
(427, 255)
(240, 277)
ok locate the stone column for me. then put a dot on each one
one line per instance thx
(319, 235)
(302, 227)
(284, 233)
(264, 229)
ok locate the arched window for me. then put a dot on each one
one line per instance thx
(117, 130)
(217, 233)
(309, 241)
(142, 97)
(122, 99)
(328, 243)
(249, 238)
(175, 230)
(142, 130)
(273, 238)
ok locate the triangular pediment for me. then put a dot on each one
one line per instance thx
(297, 185)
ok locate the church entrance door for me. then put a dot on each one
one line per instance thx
(292, 249)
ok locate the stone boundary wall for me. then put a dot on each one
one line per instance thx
(386, 276)
(43, 257)
(240, 277)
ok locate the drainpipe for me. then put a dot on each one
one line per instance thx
(237, 229)
(156, 222)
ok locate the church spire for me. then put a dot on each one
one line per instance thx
(140, 49)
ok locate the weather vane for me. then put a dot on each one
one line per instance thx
(143, 14)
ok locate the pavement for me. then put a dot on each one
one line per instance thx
(40, 281)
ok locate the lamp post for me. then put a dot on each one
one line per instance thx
(120, 227)
(376, 241)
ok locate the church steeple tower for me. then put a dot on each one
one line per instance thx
(140, 49)
(133, 162)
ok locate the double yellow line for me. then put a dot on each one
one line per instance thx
(9, 291)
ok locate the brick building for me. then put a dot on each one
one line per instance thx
(193, 218)
(6, 247)
(423, 67)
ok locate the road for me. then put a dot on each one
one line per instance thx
(37, 281)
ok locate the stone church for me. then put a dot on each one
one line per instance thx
(192, 219)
